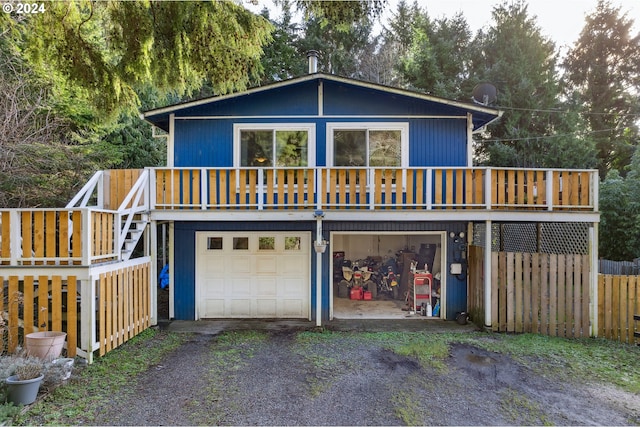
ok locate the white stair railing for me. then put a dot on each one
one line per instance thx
(81, 199)
(139, 204)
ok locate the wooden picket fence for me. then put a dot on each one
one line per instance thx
(126, 310)
(618, 301)
(38, 303)
(539, 293)
(100, 308)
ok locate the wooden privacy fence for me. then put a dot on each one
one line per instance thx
(618, 301)
(539, 293)
(125, 308)
(39, 303)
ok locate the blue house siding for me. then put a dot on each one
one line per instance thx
(295, 99)
(438, 142)
(344, 99)
(209, 143)
(203, 143)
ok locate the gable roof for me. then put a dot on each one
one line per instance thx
(482, 115)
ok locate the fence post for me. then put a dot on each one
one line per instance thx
(88, 316)
(594, 300)
(15, 239)
(428, 191)
(372, 188)
(204, 187)
(595, 190)
(487, 275)
(260, 189)
(549, 191)
(488, 189)
(87, 232)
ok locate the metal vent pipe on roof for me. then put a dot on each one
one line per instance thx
(312, 56)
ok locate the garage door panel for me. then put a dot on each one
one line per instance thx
(240, 286)
(253, 282)
(213, 287)
(291, 265)
(266, 307)
(212, 308)
(266, 264)
(239, 307)
(291, 287)
(266, 286)
(239, 264)
(291, 308)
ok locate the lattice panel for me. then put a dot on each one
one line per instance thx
(547, 237)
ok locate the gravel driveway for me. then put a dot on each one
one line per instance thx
(282, 377)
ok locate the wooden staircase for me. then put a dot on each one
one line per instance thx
(124, 191)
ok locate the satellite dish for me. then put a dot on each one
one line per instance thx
(485, 94)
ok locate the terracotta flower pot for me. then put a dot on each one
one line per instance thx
(45, 345)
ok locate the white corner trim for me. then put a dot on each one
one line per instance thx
(171, 140)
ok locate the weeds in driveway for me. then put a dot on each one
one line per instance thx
(324, 356)
(94, 387)
(586, 360)
(228, 357)
(521, 410)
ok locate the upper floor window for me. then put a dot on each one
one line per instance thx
(367, 144)
(268, 145)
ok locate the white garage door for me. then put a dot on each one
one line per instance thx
(253, 275)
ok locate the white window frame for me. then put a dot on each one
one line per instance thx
(310, 128)
(403, 127)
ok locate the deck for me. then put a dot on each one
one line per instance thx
(97, 225)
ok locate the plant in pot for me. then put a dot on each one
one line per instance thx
(25, 375)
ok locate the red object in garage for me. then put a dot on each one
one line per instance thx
(356, 293)
(367, 296)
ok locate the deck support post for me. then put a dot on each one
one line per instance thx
(151, 244)
(593, 251)
(318, 244)
(487, 275)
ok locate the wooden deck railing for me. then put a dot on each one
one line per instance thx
(58, 236)
(374, 188)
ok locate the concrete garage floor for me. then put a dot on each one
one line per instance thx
(344, 308)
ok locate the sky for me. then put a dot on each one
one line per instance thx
(560, 20)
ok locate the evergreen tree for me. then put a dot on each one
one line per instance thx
(602, 70)
(282, 59)
(107, 49)
(437, 57)
(514, 55)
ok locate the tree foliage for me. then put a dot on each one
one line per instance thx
(43, 153)
(602, 72)
(619, 237)
(436, 58)
(107, 49)
(522, 63)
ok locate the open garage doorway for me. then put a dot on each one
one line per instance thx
(373, 275)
